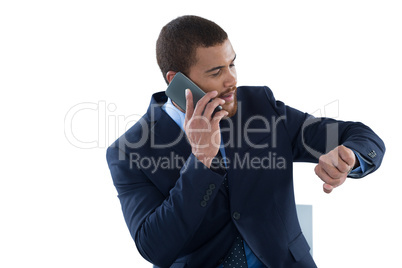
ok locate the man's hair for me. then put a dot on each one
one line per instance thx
(178, 40)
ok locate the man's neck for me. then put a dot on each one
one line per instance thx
(177, 106)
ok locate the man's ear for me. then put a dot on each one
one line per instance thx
(170, 75)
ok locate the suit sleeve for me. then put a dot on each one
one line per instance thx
(311, 137)
(161, 226)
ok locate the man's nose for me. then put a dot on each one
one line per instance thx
(231, 78)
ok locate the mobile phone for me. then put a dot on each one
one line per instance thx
(177, 87)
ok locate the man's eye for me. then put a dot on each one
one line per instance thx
(216, 74)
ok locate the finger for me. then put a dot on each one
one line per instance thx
(327, 163)
(341, 165)
(211, 106)
(218, 116)
(189, 105)
(325, 177)
(320, 172)
(327, 188)
(347, 155)
(200, 106)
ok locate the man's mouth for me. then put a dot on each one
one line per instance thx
(228, 97)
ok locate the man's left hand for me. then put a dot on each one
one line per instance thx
(334, 167)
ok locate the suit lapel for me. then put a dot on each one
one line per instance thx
(165, 133)
(167, 146)
(240, 144)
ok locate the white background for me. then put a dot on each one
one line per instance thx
(58, 204)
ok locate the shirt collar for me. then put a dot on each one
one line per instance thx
(177, 115)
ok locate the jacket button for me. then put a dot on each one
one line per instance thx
(236, 215)
(212, 186)
(203, 203)
(206, 197)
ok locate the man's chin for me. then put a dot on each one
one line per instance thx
(231, 108)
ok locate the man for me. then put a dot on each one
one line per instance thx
(200, 189)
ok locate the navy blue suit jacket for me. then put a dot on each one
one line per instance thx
(177, 210)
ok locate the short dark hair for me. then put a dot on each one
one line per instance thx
(178, 40)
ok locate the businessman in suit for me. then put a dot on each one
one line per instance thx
(205, 189)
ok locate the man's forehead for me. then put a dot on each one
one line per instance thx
(215, 55)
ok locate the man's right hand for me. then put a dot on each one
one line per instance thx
(202, 130)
